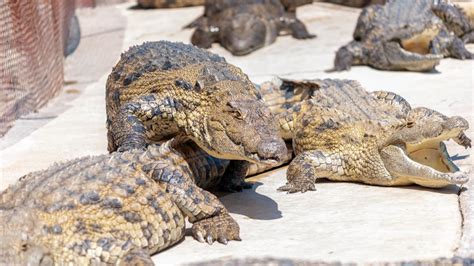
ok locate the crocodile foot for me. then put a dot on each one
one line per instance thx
(221, 228)
(306, 185)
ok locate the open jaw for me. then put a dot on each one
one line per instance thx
(414, 52)
(401, 58)
(426, 163)
(433, 153)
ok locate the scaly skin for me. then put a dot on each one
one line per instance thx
(169, 3)
(243, 26)
(209, 172)
(160, 90)
(406, 35)
(112, 209)
(283, 98)
(458, 19)
(344, 133)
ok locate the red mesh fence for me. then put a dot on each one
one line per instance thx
(32, 39)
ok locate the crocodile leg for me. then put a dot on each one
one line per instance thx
(450, 45)
(307, 167)
(128, 131)
(348, 55)
(234, 177)
(406, 171)
(458, 50)
(211, 221)
(354, 164)
(202, 38)
(297, 28)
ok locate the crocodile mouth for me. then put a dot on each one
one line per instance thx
(398, 56)
(433, 152)
(420, 43)
(255, 158)
(414, 53)
(252, 157)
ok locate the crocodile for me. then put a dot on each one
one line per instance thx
(169, 3)
(160, 90)
(344, 133)
(243, 26)
(114, 209)
(406, 35)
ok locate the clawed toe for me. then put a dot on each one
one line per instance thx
(299, 187)
(222, 229)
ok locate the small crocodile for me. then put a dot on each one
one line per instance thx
(406, 35)
(169, 3)
(243, 26)
(344, 133)
(160, 90)
(110, 209)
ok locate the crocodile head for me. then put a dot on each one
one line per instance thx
(245, 34)
(424, 136)
(237, 125)
(17, 245)
(399, 35)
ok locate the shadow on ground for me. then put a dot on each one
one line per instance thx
(252, 204)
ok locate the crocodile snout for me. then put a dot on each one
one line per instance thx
(272, 152)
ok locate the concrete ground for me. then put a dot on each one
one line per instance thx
(340, 221)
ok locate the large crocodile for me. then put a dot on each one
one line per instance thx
(243, 26)
(159, 90)
(406, 35)
(344, 133)
(114, 209)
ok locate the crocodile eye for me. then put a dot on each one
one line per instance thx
(410, 124)
(230, 108)
(237, 114)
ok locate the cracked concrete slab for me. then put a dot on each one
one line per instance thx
(340, 221)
